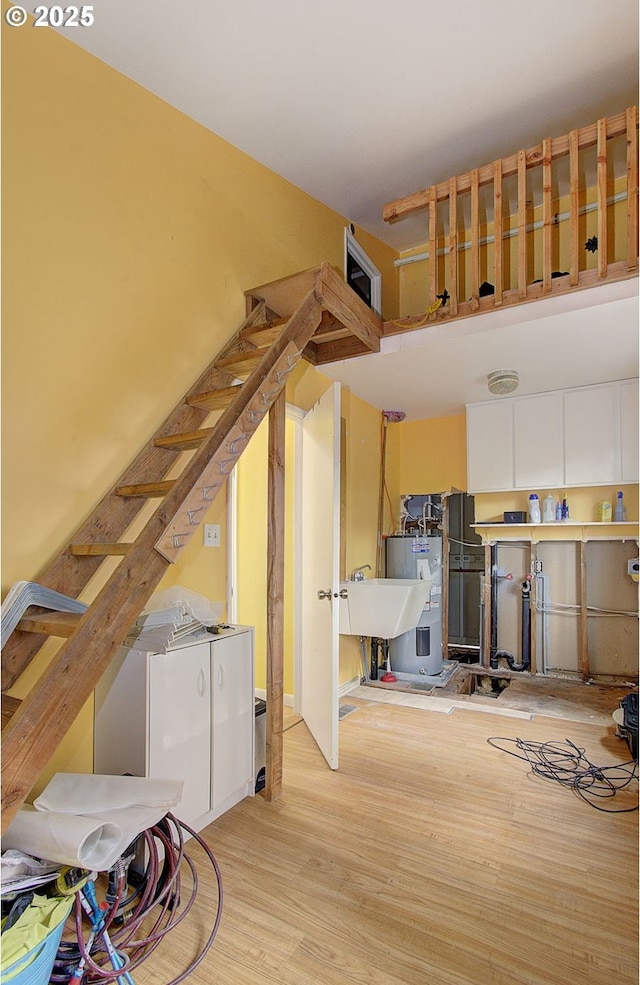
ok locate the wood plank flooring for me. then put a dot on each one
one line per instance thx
(428, 858)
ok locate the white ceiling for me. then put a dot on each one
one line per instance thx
(359, 102)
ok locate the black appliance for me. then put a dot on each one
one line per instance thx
(466, 566)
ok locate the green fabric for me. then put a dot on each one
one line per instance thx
(43, 915)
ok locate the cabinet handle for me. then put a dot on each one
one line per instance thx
(220, 676)
(202, 681)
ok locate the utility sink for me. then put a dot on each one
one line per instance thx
(382, 607)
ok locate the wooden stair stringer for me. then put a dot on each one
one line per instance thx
(363, 328)
(70, 573)
(42, 719)
(348, 309)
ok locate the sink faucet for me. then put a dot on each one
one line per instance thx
(358, 573)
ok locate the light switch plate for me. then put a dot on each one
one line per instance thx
(212, 535)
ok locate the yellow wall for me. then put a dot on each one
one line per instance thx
(424, 457)
(130, 235)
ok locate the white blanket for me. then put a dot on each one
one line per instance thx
(89, 820)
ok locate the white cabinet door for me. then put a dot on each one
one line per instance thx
(629, 437)
(180, 724)
(591, 436)
(490, 446)
(233, 714)
(538, 441)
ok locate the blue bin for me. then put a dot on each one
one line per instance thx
(35, 967)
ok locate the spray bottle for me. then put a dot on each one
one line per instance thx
(620, 513)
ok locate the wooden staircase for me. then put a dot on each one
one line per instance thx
(311, 315)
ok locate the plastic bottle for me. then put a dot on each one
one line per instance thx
(620, 514)
(565, 509)
(534, 508)
(548, 509)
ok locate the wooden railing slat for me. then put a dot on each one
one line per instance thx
(574, 206)
(498, 227)
(632, 188)
(475, 240)
(453, 247)
(433, 247)
(522, 225)
(602, 197)
(547, 218)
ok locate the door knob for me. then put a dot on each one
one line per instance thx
(344, 593)
(324, 595)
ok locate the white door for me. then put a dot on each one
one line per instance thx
(320, 571)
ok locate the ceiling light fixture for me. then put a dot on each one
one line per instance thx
(503, 381)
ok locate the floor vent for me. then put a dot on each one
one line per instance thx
(345, 710)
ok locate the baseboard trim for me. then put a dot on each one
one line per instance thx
(287, 699)
(346, 688)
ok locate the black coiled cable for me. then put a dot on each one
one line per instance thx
(567, 764)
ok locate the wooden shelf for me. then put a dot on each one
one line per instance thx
(560, 530)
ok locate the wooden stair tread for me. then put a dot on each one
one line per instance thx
(100, 550)
(10, 706)
(214, 399)
(50, 623)
(185, 441)
(261, 335)
(242, 363)
(146, 489)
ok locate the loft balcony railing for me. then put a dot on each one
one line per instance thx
(558, 217)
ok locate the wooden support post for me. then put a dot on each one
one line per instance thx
(475, 241)
(583, 641)
(602, 197)
(522, 225)
(574, 206)
(547, 218)
(632, 188)
(275, 598)
(498, 227)
(453, 246)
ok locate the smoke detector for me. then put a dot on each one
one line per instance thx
(503, 381)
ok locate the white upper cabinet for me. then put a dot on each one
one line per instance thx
(629, 435)
(539, 441)
(490, 446)
(585, 436)
(592, 436)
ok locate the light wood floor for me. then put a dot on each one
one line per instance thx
(428, 858)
